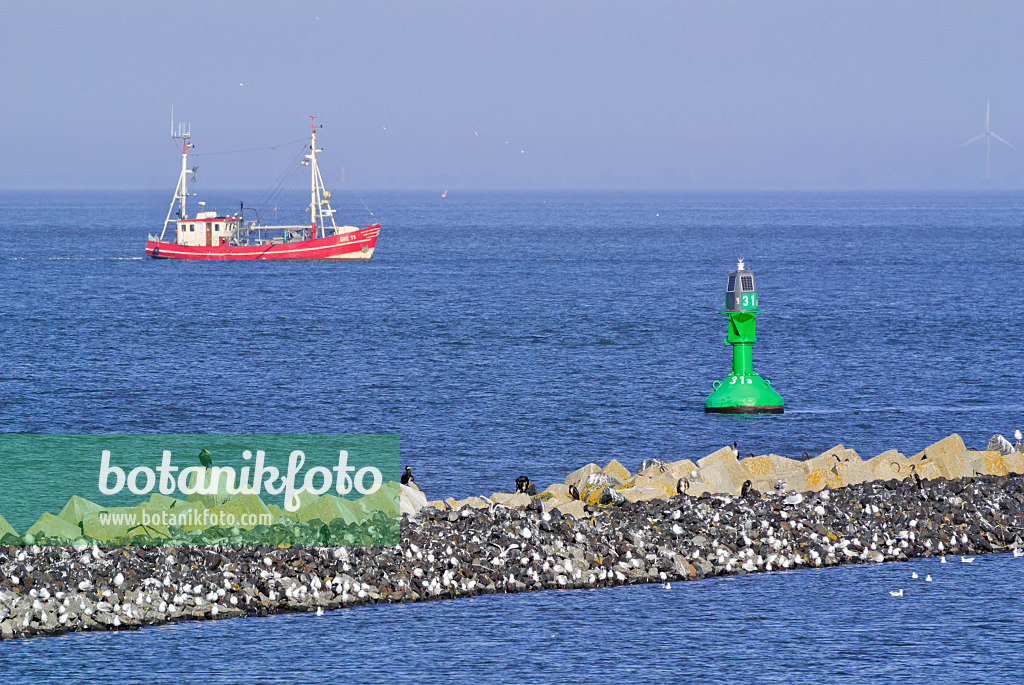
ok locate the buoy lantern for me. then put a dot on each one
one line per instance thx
(742, 391)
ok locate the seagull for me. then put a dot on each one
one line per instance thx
(967, 560)
(241, 84)
(1018, 436)
(943, 559)
(896, 593)
(666, 586)
(1017, 552)
(913, 574)
(928, 579)
(795, 498)
(319, 611)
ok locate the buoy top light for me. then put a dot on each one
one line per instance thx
(741, 291)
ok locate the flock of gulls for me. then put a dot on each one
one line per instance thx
(443, 554)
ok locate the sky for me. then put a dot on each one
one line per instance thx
(781, 95)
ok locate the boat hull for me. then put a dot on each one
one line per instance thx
(357, 245)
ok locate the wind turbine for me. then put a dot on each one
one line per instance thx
(988, 135)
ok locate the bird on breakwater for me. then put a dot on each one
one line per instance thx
(745, 489)
(917, 478)
(1017, 435)
(896, 593)
(682, 485)
(794, 499)
(574, 492)
(407, 478)
(779, 486)
(204, 458)
(319, 611)
(524, 485)
(1018, 552)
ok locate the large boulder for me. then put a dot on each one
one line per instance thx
(573, 508)
(927, 469)
(213, 484)
(411, 500)
(49, 525)
(516, 500)
(830, 458)
(682, 468)
(994, 463)
(650, 462)
(5, 528)
(646, 492)
(821, 477)
(889, 464)
(76, 508)
(853, 472)
(617, 471)
(722, 471)
(472, 503)
(791, 481)
(554, 490)
(245, 511)
(580, 475)
(948, 456)
(665, 485)
(764, 465)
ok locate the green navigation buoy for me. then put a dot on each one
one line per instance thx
(742, 391)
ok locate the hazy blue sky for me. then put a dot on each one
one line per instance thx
(687, 95)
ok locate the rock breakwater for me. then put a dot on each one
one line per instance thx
(464, 552)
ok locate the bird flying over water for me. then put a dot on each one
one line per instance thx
(204, 458)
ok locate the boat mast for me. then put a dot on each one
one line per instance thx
(181, 192)
(315, 217)
(319, 196)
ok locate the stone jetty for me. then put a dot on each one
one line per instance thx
(603, 526)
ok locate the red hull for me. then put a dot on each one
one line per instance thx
(356, 245)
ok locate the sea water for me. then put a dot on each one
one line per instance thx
(503, 334)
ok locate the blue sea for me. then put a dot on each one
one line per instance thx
(502, 334)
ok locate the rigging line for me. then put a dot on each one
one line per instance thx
(255, 149)
(285, 180)
(349, 188)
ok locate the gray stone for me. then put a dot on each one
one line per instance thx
(997, 443)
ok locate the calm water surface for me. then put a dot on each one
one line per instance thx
(503, 333)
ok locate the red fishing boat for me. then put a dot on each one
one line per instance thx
(209, 235)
